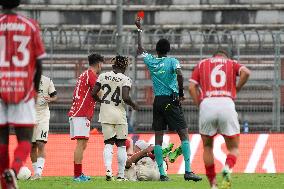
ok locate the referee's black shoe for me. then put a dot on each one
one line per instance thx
(191, 176)
(164, 178)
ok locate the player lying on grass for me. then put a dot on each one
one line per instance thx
(82, 112)
(213, 87)
(141, 164)
(167, 80)
(115, 86)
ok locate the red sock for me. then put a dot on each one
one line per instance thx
(231, 160)
(77, 169)
(210, 173)
(20, 155)
(4, 162)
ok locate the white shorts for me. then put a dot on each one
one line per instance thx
(112, 130)
(218, 115)
(18, 115)
(79, 128)
(42, 126)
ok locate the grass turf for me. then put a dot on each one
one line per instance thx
(240, 181)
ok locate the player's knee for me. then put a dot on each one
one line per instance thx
(120, 142)
(34, 145)
(208, 144)
(183, 134)
(40, 145)
(159, 137)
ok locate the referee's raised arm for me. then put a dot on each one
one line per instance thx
(140, 49)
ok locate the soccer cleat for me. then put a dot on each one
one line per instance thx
(36, 177)
(191, 176)
(109, 176)
(167, 150)
(10, 179)
(86, 177)
(121, 179)
(164, 178)
(227, 180)
(175, 154)
(82, 178)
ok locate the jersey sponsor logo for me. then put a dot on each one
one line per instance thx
(218, 93)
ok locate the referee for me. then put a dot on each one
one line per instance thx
(167, 112)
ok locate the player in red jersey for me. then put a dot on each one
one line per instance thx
(82, 111)
(21, 49)
(213, 89)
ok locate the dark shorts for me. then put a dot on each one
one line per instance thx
(167, 115)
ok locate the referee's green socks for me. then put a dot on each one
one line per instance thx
(159, 158)
(185, 146)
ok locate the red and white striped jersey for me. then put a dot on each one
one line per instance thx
(216, 77)
(83, 102)
(20, 46)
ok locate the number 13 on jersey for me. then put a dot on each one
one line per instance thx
(24, 61)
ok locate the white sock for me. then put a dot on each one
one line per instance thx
(121, 159)
(34, 166)
(108, 152)
(40, 165)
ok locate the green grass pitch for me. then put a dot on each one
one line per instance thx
(240, 181)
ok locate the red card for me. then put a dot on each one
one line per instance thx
(140, 14)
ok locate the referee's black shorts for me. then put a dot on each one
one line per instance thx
(167, 115)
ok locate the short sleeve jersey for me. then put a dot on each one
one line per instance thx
(20, 47)
(216, 77)
(112, 110)
(46, 87)
(163, 74)
(83, 102)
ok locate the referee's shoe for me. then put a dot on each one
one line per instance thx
(191, 176)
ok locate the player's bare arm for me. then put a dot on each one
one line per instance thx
(127, 99)
(95, 92)
(140, 49)
(244, 76)
(180, 84)
(137, 156)
(193, 91)
(37, 74)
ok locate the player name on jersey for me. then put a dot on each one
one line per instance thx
(12, 27)
(112, 78)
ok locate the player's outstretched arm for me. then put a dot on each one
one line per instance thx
(140, 49)
(95, 92)
(193, 91)
(127, 99)
(137, 156)
(37, 74)
(244, 76)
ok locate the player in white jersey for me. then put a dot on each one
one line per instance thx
(46, 95)
(115, 87)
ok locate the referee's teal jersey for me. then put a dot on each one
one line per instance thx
(163, 74)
